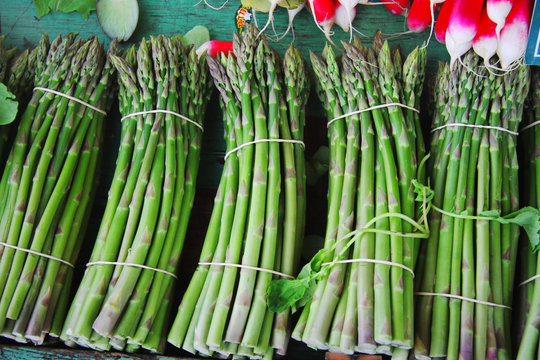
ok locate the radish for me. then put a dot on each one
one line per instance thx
(497, 11)
(272, 4)
(462, 27)
(442, 20)
(485, 41)
(345, 15)
(397, 7)
(513, 39)
(215, 47)
(421, 15)
(324, 13)
(292, 11)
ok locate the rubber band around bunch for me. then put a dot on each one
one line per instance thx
(90, 106)
(132, 265)
(459, 297)
(529, 280)
(371, 108)
(242, 266)
(357, 234)
(530, 126)
(162, 111)
(37, 253)
(239, 147)
(372, 261)
(489, 127)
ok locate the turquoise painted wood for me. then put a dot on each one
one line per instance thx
(23, 29)
(29, 353)
(19, 22)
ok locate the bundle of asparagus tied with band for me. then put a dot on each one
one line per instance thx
(258, 217)
(528, 259)
(358, 290)
(466, 271)
(48, 185)
(17, 74)
(123, 300)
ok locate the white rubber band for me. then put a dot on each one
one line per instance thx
(71, 98)
(373, 261)
(371, 108)
(37, 253)
(156, 111)
(248, 267)
(537, 276)
(475, 126)
(264, 140)
(530, 126)
(133, 265)
(452, 296)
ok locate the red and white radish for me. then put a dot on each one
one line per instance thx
(513, 39)
(497, 11)
(345, 15)
(441, 24)
(462, 27)
(215, 47)
(421, 15)
(397, 7)
(485, 41)
(324, 13)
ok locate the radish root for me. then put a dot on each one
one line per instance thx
(212, 7)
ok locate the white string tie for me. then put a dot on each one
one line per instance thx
(156, 111)
(241, 266)
(37, 253)
(71, 98)
(132, 265)
(372, 108)
(475, 126)
(264, 140)
(373, 261)
(452, 296)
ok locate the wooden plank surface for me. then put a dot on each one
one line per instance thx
(23, 29)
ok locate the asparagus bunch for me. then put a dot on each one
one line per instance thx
(259, 209)
(471, 251)
(529, 290)
(48, 184)
(17, 72)
(375, 148)
(149, 203)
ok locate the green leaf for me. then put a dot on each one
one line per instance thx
(283, 293)
(529, 219)
(423, 192)
(321, 257)
(8, 106)
(84, 7)
(196, 36)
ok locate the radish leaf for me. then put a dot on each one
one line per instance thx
(84, 7)
(118, 18)
(196, 36)
(8, 106)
